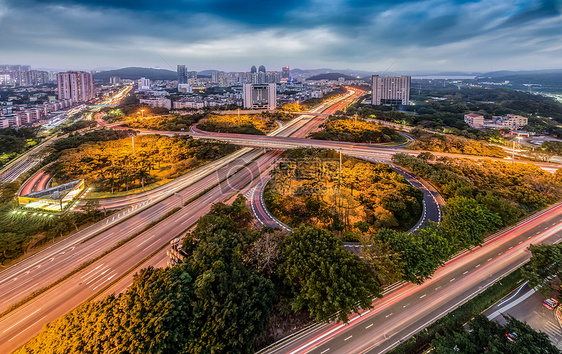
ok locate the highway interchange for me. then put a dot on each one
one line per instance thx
(46, 267)
(405, 309)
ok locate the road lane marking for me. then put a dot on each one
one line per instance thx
(511, 247)
(405, 305)
(91, 271)
(23, 319)
(22, 292)
(99, 275)
(347, 338)
(499, 254)
(489, 259)
(421, 297)
(324, 351)
(27, 328)
(478, 266)
(390, 314)
(438, 287)
(145, 241)
(108, 279)
(520, 242)
(369, 326)
(465, 272)
(452, 280)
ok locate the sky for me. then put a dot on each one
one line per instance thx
(370, 35)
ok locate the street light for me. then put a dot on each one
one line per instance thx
(513, 149)
(142, 113)
(133, 140)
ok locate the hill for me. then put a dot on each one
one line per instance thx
(331, 76)
(135, 73)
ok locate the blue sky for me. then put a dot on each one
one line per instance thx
(433, 35)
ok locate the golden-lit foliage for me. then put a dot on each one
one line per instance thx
(355, 130)
(294, 107)
(111, 165)
(453, 145)
(245, 123)
(308, 191)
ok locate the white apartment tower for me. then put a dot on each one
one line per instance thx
(76, 85)
(262, 96)
(391, 90)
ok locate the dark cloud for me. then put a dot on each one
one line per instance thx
(228, 33)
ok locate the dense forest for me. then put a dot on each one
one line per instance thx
(306, 189)
(358, 131)
(114, 166)
(453, 145)
(221, 299)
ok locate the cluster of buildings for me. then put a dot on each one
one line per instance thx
(510, 121)
(26, 115)
(74, 87)
(23, 75)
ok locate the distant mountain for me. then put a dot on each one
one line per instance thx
(312, 72)
(205, 73)
(331, 76)
(135, 73)
(505, 73)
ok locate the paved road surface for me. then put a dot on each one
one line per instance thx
(51, 264)
(410, 308)
(525, 304)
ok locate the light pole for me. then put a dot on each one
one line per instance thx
(133, 140)
(513, 150)
(142, 113)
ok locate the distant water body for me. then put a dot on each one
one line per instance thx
(439, 77)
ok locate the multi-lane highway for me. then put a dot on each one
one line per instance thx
(44, 268)
(409, 308)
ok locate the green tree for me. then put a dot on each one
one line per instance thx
(487, 336)
(545, 264)
(466, 222)
(325, 278)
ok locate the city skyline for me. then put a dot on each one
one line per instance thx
(422, 35)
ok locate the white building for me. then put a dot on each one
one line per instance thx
(260, 96)
(144, 84)
(157, 102)
(474, 120)
(188, 105)
(185, 88)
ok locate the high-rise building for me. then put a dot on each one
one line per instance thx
(144, 84)
(76, 85)
(262, 76)
(114, 80)
(391, 90)
(182, 75)
(261, 96)
(215, 77)
(285, 73)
